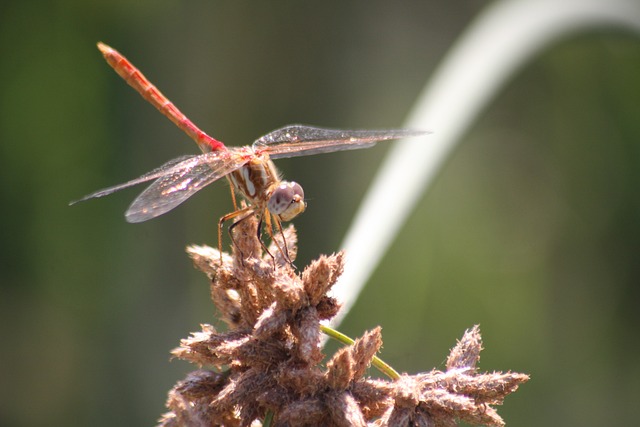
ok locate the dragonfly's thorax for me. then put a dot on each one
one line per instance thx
(259, 182)
(256, 179)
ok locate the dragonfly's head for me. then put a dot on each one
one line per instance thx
(287, 201)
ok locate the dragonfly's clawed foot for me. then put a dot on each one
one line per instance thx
(248, 248)
(284, 247)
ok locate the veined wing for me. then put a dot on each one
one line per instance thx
(300, 140)
(181, 182)
(156, 173)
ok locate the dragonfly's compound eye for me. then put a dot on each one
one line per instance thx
(287, 201)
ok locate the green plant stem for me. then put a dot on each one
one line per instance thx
(380, 364)
(268, 419)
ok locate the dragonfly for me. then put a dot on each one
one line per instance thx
(249, 169)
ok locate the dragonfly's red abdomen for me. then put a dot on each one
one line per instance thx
(144, 87)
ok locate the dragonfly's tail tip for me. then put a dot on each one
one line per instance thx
(104, 48)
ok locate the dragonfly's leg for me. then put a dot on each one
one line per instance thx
(247, 211)
(284, 250)
(233, 197)
(233, 193)
(284, 242)
(259, 230)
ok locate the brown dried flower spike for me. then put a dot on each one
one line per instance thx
(266, 367)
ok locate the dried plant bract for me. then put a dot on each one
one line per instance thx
(268, 363)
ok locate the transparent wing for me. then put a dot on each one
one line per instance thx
(300, 140)
(156, 173)
(180, 182)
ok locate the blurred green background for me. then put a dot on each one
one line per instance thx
(532, 229)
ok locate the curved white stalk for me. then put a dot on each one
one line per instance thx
(501, 40)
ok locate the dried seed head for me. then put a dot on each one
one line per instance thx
(466, 353)
(270, 356)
